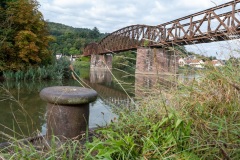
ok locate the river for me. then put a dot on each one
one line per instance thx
(23, 113)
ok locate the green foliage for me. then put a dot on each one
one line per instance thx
(55, 71)
(182, 52)
(213, 104)
(85, 59)
(71, 41)
(23, 36)
(94, 33)
(212, 58)
(233, 61)
(81, 64)
(195, 120)
(199, 121)
(120, 62)
(69, 150)
(124, 61)
(151, 138)
(146, 43)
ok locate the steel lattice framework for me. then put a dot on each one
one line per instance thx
(215, 24)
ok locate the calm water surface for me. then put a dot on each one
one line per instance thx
(23, 113)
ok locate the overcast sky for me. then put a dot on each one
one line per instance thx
(111, 15)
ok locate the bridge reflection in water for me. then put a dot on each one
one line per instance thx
(100, 76)
(111, 95)
(102, 81)
(143, 85)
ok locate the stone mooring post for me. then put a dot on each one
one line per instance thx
(67, 110)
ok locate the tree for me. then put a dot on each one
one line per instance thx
(5, 29)
(95, 33)
(181, 50)
(212, 58)
(73, 51)
(68, 37)
(28, 37)
(3, 3)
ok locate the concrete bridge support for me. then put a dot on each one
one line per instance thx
(101, 61)
(155, 61)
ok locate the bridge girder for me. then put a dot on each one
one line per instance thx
(214, 24)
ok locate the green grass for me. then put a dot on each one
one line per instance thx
(213, 104)
(198, 119)
(139, 137)
(43, 149)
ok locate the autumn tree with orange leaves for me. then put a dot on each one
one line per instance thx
(24, 36)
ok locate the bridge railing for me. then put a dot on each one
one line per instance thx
(215, 24)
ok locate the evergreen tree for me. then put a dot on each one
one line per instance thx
(95, 33)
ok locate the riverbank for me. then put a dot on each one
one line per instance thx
(198, 120)
(194, 120)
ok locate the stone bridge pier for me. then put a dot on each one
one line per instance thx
(101, 61)
(155, 61)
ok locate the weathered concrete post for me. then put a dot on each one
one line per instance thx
(67, 110)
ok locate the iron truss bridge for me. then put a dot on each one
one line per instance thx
(214, 24)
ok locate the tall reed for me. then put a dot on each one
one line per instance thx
(56, 71)
(213, 105)
(197, 120)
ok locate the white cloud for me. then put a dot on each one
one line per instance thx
(194, 4)
(111, 15)
(71, 3)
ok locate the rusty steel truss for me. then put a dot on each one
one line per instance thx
(215, 24)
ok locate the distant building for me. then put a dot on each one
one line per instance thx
(181, 62)
(71, 58)
(195, 63)
(217, 63)
(191, 61)
(58, 56)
